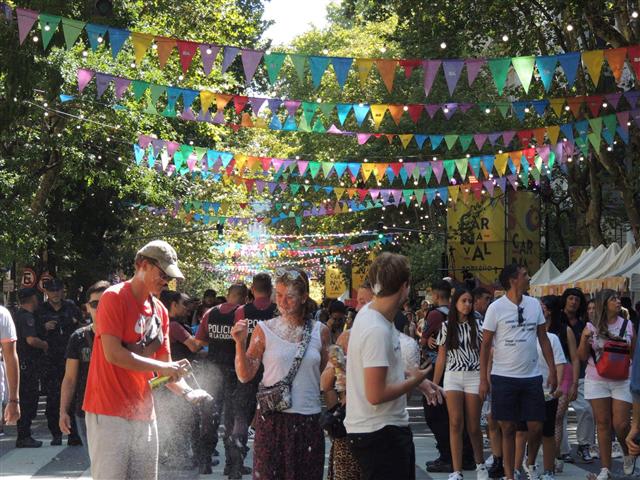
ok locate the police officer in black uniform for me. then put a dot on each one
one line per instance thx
(30, 351)
(57, 319)
(221, 380)
(261, 308)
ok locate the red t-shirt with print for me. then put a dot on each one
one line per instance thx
(113, 390)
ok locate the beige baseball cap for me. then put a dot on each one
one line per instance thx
(165, 255)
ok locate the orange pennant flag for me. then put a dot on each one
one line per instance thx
(381, 169)
(141, 43)
(575, 104)
(165, 49)
(377, 112)
(538, 133)
(387, 69)
(246, 120)
(396, 112)
(363, 65)
(593, 61)
(516, 158)
(390, 138)
(615, 58)
(222, 100)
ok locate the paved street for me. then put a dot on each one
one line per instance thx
(72, 462)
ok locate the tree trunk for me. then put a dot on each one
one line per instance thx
(594, 208)
(47, 183)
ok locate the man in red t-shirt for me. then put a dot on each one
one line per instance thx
(132, 342)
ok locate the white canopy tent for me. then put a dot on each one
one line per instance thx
(586, 258)
(599, 263)
(545, 274)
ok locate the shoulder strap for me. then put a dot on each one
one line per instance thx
(623, 330)
(302, 348)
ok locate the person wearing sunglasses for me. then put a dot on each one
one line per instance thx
(293, 348)
(131, 343)
(513, 326)
(77, 367)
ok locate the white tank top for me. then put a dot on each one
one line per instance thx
(277, 360)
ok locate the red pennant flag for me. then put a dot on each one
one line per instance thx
(525, 137)
(415, 111)
(634, 58)
(594, 103)
(408, 66)
(240, 102)
(575, 103)
(186, 50)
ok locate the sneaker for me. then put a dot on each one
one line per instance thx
(28, 442)
(74, 441)
(57, 440)
(616, 450)
(439, 466)
(567, 458)
(456, 476)
(548, 476)
(604, 474)
(497, 469)
(594, 451)
(532, 472)
(251, 434)
(489, 461)
(481, 472)
(629, 464)
(559, 465)
(585, 453)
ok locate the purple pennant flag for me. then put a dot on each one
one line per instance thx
(473, 68)
(292, 106)
(489, 186)
(362, 138)
(218, 119)
(158, 145)
(502, 183)
(432, 108)
(449, 109)
(84, 77)
(507, 137)
(397, 196)
(102, 81)
(623, 118)
(480, 139)
(229, 56)
(430, 68)
(121, 85)
(438, 168)
(543, 152)
(513, 180)
(187, 114)
(635, 114)
(274, 104)
(26, 19)
(452, 70)
(256, 104)
(493, 137)
(632, 98)
(208, 52)
(465, 107)
(144, 141)
(613, 99)
(250, 61)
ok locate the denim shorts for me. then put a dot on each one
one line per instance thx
(517, 399)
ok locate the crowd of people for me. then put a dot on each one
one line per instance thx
(162, 373)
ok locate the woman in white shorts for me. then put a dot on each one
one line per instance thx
(610, 399)
(458, 359)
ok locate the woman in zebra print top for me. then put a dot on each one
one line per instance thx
(458, 360)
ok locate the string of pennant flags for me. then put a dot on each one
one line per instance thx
(499, 67)
(360, 111)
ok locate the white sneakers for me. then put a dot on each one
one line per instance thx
(559, 464)
(481, 472)
(616, 450)
(604, 474)
(629, 464)
(532, 472)
(456, 476)
(547, 476)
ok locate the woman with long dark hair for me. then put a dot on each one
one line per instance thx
(458, 360)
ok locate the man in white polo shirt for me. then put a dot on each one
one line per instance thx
(511, 326)
(377, 421)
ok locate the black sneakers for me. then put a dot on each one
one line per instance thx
(28, 442)
(57, 440)
(439, 466)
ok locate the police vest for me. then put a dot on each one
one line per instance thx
(253, 315)
(222, 347)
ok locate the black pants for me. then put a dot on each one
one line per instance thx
(29, 395)
(385, 454)
(53, 373)
(437, 418)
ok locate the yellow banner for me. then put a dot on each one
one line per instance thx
(335, 283)
(523, 230)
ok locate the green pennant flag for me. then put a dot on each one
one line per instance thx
(294, 187)
(499, 68)
(314, 168)
(178, 160)
(303, 126)
(416, 173)
(524, 68)
(327, 109)
(503, 108)
(596, 125)
(552, 160)
(583, 144)
(299, 61)
(309, 110)
(595, 140)
(139, 87)
(524, 177)
(463, 165)
(536, 174)
(427, 173)
(450, 168)
(419, 193)
(151, 108)
(156, 92)
(71, 30)
(465, 141)
(169, 111)
(326, 168)
(298, 221)
(186, 151)
(318, 127)
(407, 196)
(450, 140)
(48, 25)
(610, 122)
(274, 62)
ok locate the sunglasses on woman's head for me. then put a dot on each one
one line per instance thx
(290, 274)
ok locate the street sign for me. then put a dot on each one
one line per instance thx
(29, 278)
(43, 278)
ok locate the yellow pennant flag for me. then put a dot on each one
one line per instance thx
(339, 192)
(141, 43)
(556, 105)
(241, 159)
(260, 123)
(363, 65)
(593, 61)
(206, 98)
(453, 193)
(501, 163)
(377, 112)
(366, 169)
(552, 133)
(405, 139)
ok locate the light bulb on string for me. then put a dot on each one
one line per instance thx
(569, 28)
(133, 65)
(100, 40)
(47, 27)
(505, 38)
(443, 45)
(634, 14)
(35, 39)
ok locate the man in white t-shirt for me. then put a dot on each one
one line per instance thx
(511, 327)
(8, 340)
(377, 421)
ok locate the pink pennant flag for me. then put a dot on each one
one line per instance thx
(302, 166)
(543, 153)
(430, 68)
(409, 168)
(292, 106)
(121, 85)
(186, 50)
(432, 109)
(84, 77)
(250, 61)
(363, 138)
(623, 119)
(333, 129)
(507, 137)
(277, 164)
(208, 52)
(437, 167)
(144, 141)
(172, 147)
(26, 19)
(480, 139)
(474, 65)
(374, 193)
